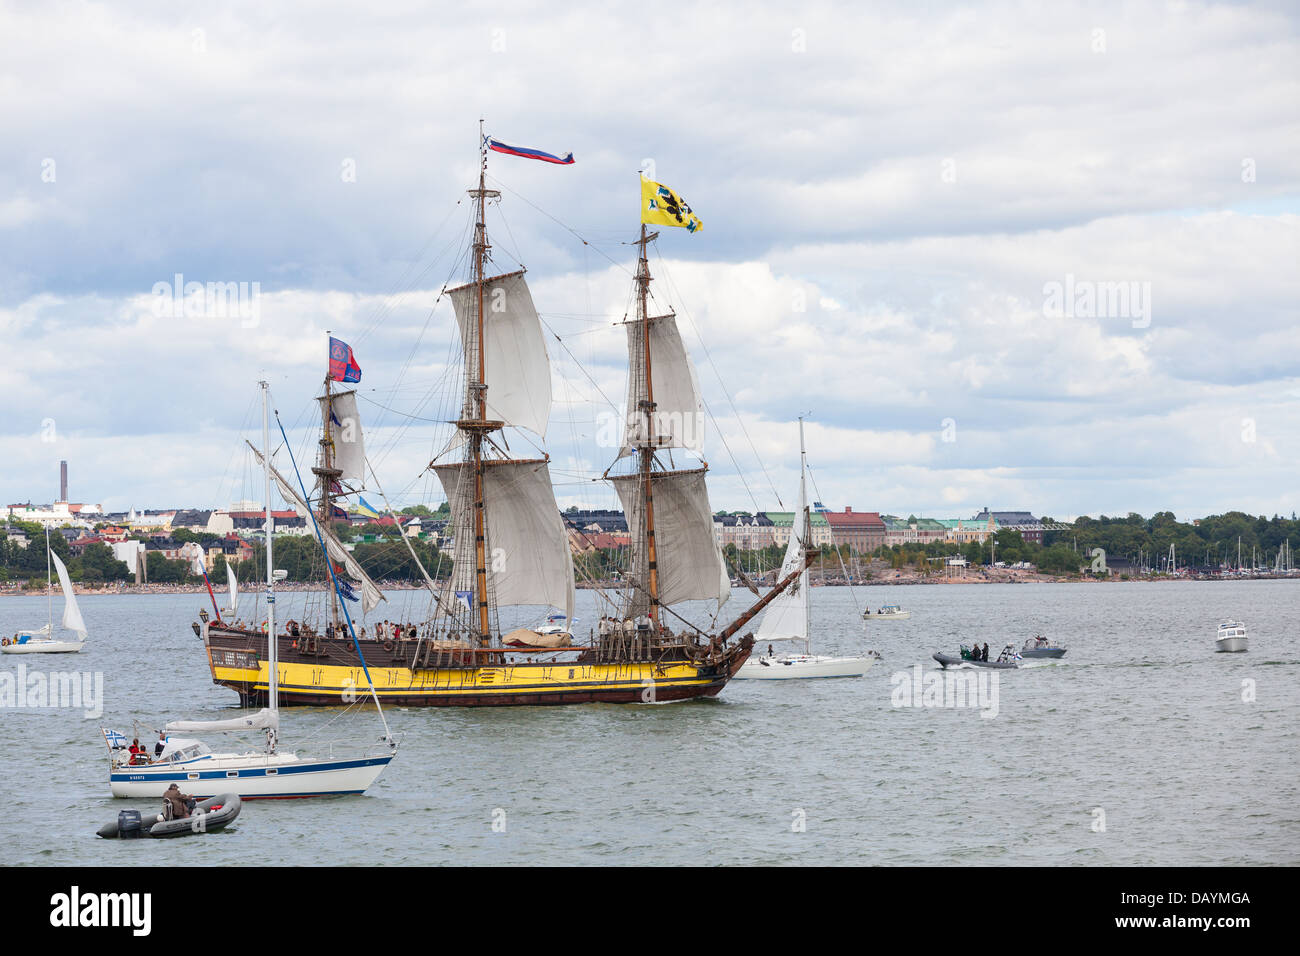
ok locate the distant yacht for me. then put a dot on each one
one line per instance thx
(890, 612)
(1231, 637)
(42, 640)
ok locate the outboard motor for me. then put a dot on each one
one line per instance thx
(128, 825)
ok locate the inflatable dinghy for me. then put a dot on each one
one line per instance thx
(208, 816)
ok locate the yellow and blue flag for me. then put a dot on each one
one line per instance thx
(363, 508)
(660, 206)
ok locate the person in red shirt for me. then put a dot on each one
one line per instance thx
(138, 755)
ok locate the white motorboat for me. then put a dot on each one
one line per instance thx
(788, 616)
(43, 640)
(1231, 637)
(252, 774)
(890, 612)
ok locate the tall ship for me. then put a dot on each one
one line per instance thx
(510, 547)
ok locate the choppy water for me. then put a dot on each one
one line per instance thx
(1143, 720)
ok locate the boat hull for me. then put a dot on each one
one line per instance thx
(44, 647)
(1043, 652)
(209, 816)
(1230, 645)
(767, 668)
(330, 674)
(900, 616)
(256, 778)
(947, 660)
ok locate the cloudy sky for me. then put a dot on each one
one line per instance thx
(1015, 255)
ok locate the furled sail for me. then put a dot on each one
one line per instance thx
(518, 372)
(528, 559)
(370, 593)
(678, 420)
(690, 565)
(343, 424)
(786, 617)
(261, 720)
(71, 612)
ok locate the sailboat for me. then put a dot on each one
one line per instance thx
(510, 548)
(268, 773)
(42, 640)
(789, 618)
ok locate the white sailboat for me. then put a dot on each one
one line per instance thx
(789, 616)
(269, 773)
(42, 640)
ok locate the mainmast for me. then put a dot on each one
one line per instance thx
(474, 423)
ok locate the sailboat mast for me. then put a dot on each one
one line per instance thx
(49, 578)
(646, 452)
(807, 526)
(272, 667)
(478, 402)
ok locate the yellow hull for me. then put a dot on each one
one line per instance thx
(512, 683)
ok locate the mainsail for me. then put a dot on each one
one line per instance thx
(786, 617)
(234, 590)
(262, 720)
(528, 558)
(518, 372)
(71, 613)
(690, 566)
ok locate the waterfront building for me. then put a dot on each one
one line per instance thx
(862, 531)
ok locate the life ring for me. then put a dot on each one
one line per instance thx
(388, 646)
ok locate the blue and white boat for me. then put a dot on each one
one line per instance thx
(267, 773)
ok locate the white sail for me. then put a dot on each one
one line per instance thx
(71, 613)
(678, 420)
(370, 593)
(261, 720)
(345, 431)
(234, 590)
(528, 557)
(518, 372)
(690, 565)
(786, 617)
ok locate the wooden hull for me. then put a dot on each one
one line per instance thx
(329, 673)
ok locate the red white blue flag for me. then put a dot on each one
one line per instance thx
(343, 366)
(527, 153)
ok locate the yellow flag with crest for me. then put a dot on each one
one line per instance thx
(660, 206)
